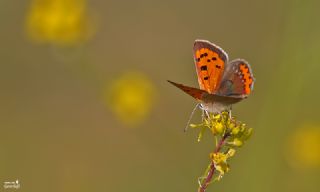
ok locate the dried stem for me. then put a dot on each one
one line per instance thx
(204, 185)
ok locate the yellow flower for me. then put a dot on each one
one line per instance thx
(218, 128)
(231, 153)
(62, 22)
(236, 142)
(303, 147)
(131, 97)
(220, 163)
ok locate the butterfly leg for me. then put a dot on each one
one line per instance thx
(203, 115)
(230, 116)
(206, 115)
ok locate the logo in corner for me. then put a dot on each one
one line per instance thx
(11, 184)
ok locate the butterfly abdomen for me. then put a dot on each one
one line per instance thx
(215, 107)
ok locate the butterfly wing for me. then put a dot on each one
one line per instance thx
(237, 80)
(194, 92)
(210, 62)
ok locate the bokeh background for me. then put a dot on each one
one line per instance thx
(85, 106)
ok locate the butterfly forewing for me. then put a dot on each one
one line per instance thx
(237, 79)
(210, 62)
(194, 92)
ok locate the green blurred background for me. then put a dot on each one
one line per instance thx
(85, 106)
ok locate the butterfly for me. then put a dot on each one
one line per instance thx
(222, 83)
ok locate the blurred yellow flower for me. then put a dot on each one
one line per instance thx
(62, 22)
(303, 147)
(131, 97)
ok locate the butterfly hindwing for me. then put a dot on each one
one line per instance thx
(237, 80)
(210, 62)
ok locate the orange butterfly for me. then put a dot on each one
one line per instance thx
(222, 83)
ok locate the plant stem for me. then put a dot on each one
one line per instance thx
(204, 185)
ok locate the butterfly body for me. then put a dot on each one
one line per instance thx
(216, 103)
(215, 107)
(222, 83)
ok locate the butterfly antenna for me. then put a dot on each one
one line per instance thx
(191, 115)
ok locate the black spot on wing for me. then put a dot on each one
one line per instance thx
(203, 68)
